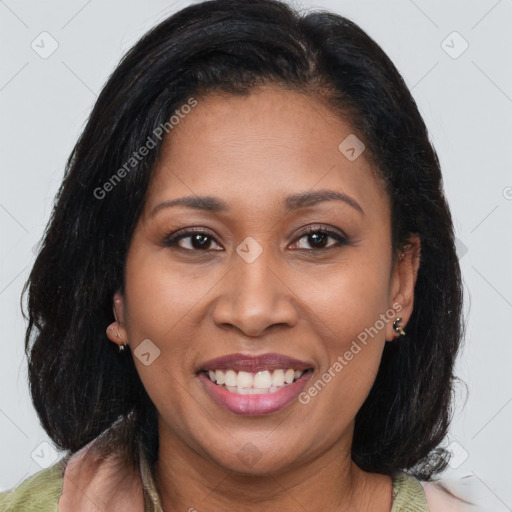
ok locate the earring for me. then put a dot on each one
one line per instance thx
(398, 328)
(113, 328)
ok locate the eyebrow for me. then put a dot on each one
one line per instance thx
(292, 202)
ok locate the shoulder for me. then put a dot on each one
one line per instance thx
(443, 495)
(455, 495)
(37, 493)
(440, 499)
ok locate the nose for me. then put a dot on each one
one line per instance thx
(255, 297)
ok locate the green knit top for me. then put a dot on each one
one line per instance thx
(41, 492)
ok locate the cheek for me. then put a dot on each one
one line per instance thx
(160, 295)
(353, 344)
(351, 312)
(347, 298)
(159, 300)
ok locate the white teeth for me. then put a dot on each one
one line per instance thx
(262, 380)
(247, 383)
(220, 377)
(244, 380)
(230, 378)
(278, 377)
(289, 375)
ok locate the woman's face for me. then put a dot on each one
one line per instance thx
(249, 298)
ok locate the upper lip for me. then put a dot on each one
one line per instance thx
(251, 363)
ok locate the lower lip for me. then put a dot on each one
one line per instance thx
(252, 405)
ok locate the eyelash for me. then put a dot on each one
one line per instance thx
(171, 241)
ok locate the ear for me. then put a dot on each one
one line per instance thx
(403, 281)
(118, 327)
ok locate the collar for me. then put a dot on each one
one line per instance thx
(92, 483)
(150, 493)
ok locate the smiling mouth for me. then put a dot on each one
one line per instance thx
(255, 383)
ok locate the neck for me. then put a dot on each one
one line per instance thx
(329, 481)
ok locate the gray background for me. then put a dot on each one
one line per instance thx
(465, 96)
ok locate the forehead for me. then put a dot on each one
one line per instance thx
(269, 143)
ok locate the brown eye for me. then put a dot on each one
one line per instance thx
(318, 239)
(201, 241)
(197, 241)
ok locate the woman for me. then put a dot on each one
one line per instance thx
(248, 295)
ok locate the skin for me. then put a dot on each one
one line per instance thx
(294, 299)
